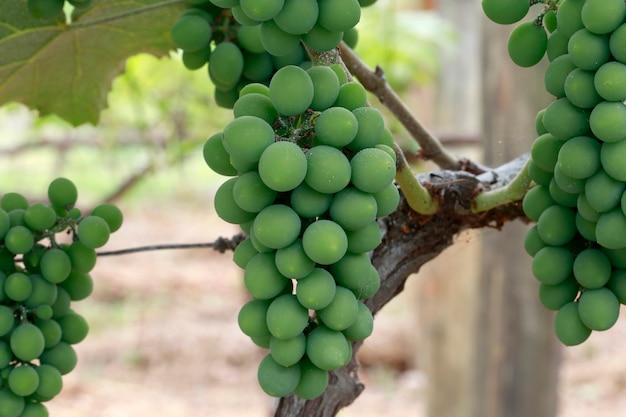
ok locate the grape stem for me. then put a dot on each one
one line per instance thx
(417, 196)
(375, 82)
(513, 191)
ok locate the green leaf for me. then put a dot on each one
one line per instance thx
(67, 69)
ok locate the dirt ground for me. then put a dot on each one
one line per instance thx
(164, 339)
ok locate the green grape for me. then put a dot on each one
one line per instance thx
(13, 201)
(194, 60)
(46, 9)
(352, 95)
(568, 326)
(603, 16)
(288, 352)
(44, 312)
(608, 121)
(328, 169)
(549, 21)
(33, 257)
(244, 252)
(18, 286)
(617, 257)
(612, 157)
(336, 126)
(78, 285)
(387, 200)
(27, 342)
(552, 265)
(363, 325)
(540, 129)
(354, 271)
(588, 50)
(325, 242)
(293, 262)
(351, 37)
(556, 74)
(309, 203)
(261, 10)
(50, 382)
(277, 380)
(313, 381)
(328, 349)
(7, 320)
(256, 105)
(51, 331)
(586, 228)
(342, 310)
(93, 232)
(368, 285)
(353, 209)
(556, 225)
(55, 265)
(553, 297)
(372, 170)
(610, 81)
(74, 327)
(74, 213)
(35, 409)
(617, 42)
(5, 223)
(564, 120)
(579, 157)
(585, 210)
(283, 166)
(611, 229)
(598, 308)
(389, 151)
(19, 240)
(262, 278)
(545, 152)
(568, 16)
(226, 98)
(536, 200)
(276, 41)
(23, 380)
(6, 355)
(370, 128)
(40, 217)
(83, 259)
(603, 193)
(365, 239)
(262, 341)
(321, 39)
(340, 72)
(241, 17)
(617, 284)
(291, 90)
(316, 290)
(557, 45)
(339, 15)
(592, 268)
(286, 317)
(247, 137)
(16, 217)
(251, 318)
(568, 184)
(505, 12)
(249, 38)
(191, 33)
(62, 193)
(226, 207)
(325, 86)
(11, 405)
(62, 356)
(42, 292)
(297, 17)
(257, 67)
(296, 56)
(226, 66)
(258, 246)
(251, 194)
(62, 304)
(580, 90)
(111, 214)
(527, 44)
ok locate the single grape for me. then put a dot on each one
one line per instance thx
(74, 327)
(365, 239)
(251, 318)
(536, 201)
(611, 229)
(336, 126)
(316, 290)
(579, 157)
(27, 342)
(533, 242)
(309, 203)
(288, 352)
(370, 128)
(527, 44)
(43, 292)
(62, 356)
(372, 170)
(5, 223)
(40, 217)
(328, 349)
(586, 228)
(603, 193)
(557, 45)
(549, 21)
(598, 308)
(608, 121)
(93, 232)
(603, 16)
(55, 265)
(19, 240)
(321, 39)
(262, 278)
(247, 137)
(51, 331)
(325, 86)
(552, 265)
(286, 317)
(505, 12)
(257, 67)
(313, 381)
(363, 325)
(293, 262)
(83, 258)
(387, 200)
(556, 225)
(592, 268)
(283, 166)
(244, 252)
(617, 284)
(328, 169)
(580, 89)
(50, 382)
(277, 226)
(251, 194)
(568, 326)
(257, 105)
(277, 380)
(325, 242)
(617, 42)
(18, 286)
(588, 50)
(342, 310)
(276, 41)
(61, 305)
(297, 17)
(556, 74)
(7, 320)
(6, 355)
(13, 201)
(261, 10)
(249, 38)
(11, 405)
(226, 66)
(568, 184)
(568, 16)
(194, 60)
(545, 152)
(585, 210)
(564, 120)
(111, 214)
(612, 156)
(191, 32)
(353, 209)
(352, 95)
(339, 15)
(291, 90)
(46, 9)
(553, 297)
(62, 193)
(226, 207)
(36, 409)
(78, 285)
(23, 380)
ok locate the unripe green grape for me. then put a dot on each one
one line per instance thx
(23, 380)
(296, 56)
(353, 209)
(556, 74)
(336, 126)
(579, 157)
(43, 292)
(387, 200)
(62, 304)
(617, 42)
(568, 184)
(19, 240)
(339, 15)
(6, 355)
(258, 246)
(553, 297)
(325, 86)
(316, 290)
(328, 169)
(62, 356)
(580, 89)
(226, 98)
(342, 310)
(527, 44)
(564, 120)
(257, 67)
(351, 37)
(251, 194)
(568, 326)
(540, 129)
(282, 166)
(286, 317)
(249, 38)
(568, 16)
(608, 121)
(251, 318)
(533, 242)
(351, 96)
(365, 239)
(536, 200)
(247, 137)
(370, 128)
(603, 16)
(276, 41)
(11, 405)
(261, 277)
(586, 228)
(18, 286)
(588, 50)
(288, 352)
(340, 72)
(226, 207)
(244, 252)
(545, 152)
(321, 39)
(241, 17)
(50, 382)
(598, 308)
(291, 90)
(79, 285)
(603, 193)
(51, 331)
(611, 229)
(62, 193)
(617, 284)
(313, 381)
(297, 17)
(293, 262)
(372, 170)
(325, 242)
(610, 81)
(556, 225)
(368, 284)
(557, 45)
(35, 409)
(277, 380)
(27, 342)
(46, 9)
(226, 66)
(7, 320)
(363, 325)
(111, 214)
(83, 259)
(55, 265)
(194, 60)
(552, 265)
(257, 105)
(16, 217)
(13, 201)
(191, 32)
(592, 268)
(505, 12)
(585, 209)
(5, 223)
(351, 270)
(93, 232)
(261, 10)
(328, 349)
(549, 21)
(74, 327)
(612, 156)
(40, 217)
(74, 213)
(309, 203)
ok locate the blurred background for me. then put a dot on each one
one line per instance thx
(467, 337)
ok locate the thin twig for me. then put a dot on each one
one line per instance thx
(375, 82)
(221, 245)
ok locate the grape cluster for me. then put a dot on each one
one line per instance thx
(248, 41)
(312, 169)
(51, 9)
(579, 242)
(39, 278)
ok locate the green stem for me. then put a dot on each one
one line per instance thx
(513, 191)
(417, 196)
(123, 15)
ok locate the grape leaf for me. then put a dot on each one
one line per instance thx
(67, 69)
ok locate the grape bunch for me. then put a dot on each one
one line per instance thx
(312, 169)
(52, 9)
(39, 278)
(247, 42)
(579, 242)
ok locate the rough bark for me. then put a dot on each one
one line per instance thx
(411, 240)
